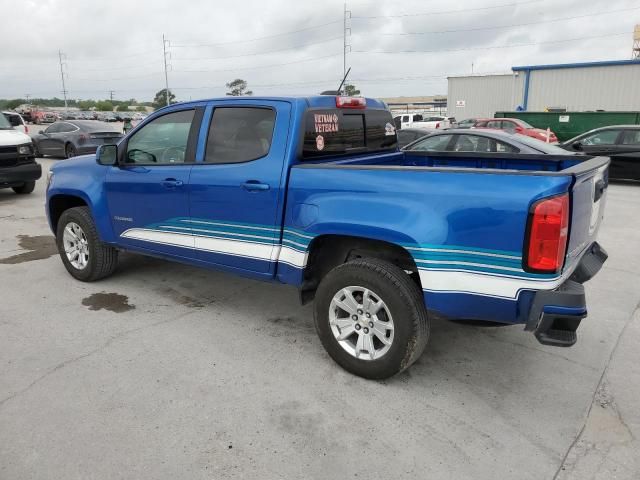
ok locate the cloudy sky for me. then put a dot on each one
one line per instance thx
(398, 47)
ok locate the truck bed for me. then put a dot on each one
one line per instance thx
(530, 164)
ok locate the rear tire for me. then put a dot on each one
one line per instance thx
(26, 187)
(98, 260)
(70, 151)
(398, 331)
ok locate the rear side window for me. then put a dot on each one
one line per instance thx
(631, 137)
(239, 134)
(336, 132)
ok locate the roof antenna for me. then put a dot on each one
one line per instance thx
(337, 92)
(343, 80)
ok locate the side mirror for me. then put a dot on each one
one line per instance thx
(41, 132)
(107, 155)
(519, 129)
(577, 146)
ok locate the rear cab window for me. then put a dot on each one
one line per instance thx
(333, 131)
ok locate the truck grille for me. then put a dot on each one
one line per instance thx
(8, 156)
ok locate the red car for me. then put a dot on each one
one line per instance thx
(514, 125)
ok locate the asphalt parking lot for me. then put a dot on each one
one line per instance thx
(167, 371)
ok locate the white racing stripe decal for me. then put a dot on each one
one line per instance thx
(156, 236)
(435, 281)
(478, 284)
(240, 248)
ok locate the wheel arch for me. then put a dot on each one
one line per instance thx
(57, 205)
(325, 252)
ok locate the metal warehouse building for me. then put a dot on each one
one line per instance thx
(612, 86)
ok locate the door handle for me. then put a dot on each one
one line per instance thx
(254, 185)
(171, 183)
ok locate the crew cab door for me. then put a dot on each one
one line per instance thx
(147, 192)
(236, 189)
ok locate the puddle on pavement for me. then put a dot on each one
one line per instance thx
(113, 302)
(38, 247)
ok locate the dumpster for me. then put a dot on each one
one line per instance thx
(567, 125)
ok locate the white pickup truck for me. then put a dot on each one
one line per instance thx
(414, 120)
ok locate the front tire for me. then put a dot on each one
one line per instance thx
(84, 256)
(26, 187)
(371, 319)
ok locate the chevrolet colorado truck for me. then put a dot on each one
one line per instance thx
(313, 192)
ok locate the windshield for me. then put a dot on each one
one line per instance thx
(4, 123)
(541, 146)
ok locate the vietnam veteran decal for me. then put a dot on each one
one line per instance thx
(325, 122)
(320, 142)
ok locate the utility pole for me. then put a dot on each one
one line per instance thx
(27, 96)
(346, 47)
(62, 74)
(111, 92)
(166, 43)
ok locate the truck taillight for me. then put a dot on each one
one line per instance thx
(548, 232)
(351, 102)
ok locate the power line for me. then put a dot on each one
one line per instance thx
(256, 38)
(260, 66)
(260, 53)
(446, 12)
(497, 27)
(514, 45)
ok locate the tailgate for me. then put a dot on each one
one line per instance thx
(588, 195)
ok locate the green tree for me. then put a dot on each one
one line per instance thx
(11, 104)
(160, 99)
(140, 108)
(238, 87)
(351, 90)
(123, 107)
(104, 106)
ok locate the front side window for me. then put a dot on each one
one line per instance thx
(497, 124)
(239, 134)
(437, 143)
(54, 128)
(162, 141)
(606, 137)
(67, 128)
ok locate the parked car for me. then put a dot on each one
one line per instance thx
(515, 125)
(484, 141)
(621, 143)
(408, 135)
(18, 167)
(435, 122)
(16, 121)
(74, 137)
(381, 240)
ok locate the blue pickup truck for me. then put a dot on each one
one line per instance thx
(313, 192)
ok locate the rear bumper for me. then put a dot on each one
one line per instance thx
(18, 174)
(556, 314)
